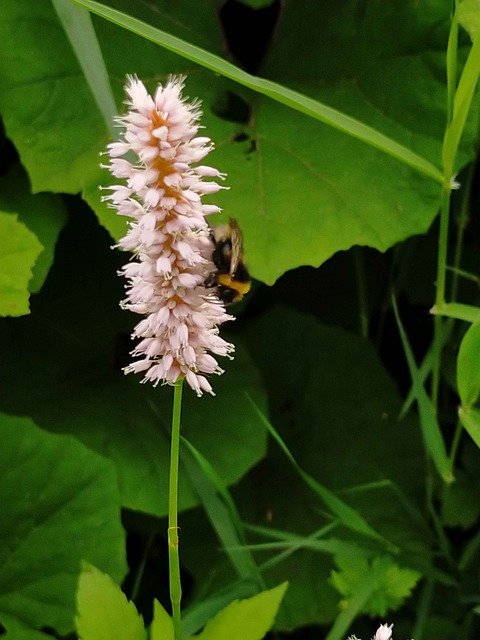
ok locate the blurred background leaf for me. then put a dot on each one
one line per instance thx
(19, 249)
(43, 214)
(60, 505)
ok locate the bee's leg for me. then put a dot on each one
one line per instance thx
(211, 280)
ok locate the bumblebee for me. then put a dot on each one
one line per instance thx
(231, 277)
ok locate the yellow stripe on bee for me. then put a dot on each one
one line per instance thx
(240, 287)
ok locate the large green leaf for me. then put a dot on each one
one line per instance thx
(56, 127)
(103, 611)
(162, 624)
(470, 418)
(60, 504)
(19, 249)
(468, 369)
(469, 16)
(62, 366)
(301, 189)
(43, 214)
(248, 619)
(336, 408)
(379, 62)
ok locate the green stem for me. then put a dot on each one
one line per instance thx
(452, 48)
(461, 223)
(173, 556)
(443, 541)
(443, 241)
(423, 609)
(455, 443)
(440, 294)
(448, 155)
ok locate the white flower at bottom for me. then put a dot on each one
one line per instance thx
(169, 237)
(384, 632)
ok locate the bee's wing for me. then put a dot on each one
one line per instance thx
(237, 245)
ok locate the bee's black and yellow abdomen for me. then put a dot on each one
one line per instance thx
(233, 289)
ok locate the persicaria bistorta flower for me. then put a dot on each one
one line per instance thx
(168, 236)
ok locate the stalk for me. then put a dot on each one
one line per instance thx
(440, 293)
(173, 540)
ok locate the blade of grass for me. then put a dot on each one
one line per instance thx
(461, 221)
(452, 50)
(346, 514)
(458, 311)
(221, 512)
(409, 506)
(426, 366)
(456, 117)
(423, 608)
(141, 568)
(418, 517)
(467, 275)
(287, 536)
(461, 104)
(77, 24)
(198, 614)
(454, 311)
(273, 90)
(331, 547)
(283, 535)
(432, 435)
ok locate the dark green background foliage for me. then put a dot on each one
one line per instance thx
(332, 228)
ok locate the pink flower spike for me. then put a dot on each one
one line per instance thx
(169, 237)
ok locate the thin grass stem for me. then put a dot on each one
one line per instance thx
(441, 284)
(461, 223)
(78, 27)
(455, 443)
(423, 609)
(448, 156)
(173, 539)
(141, 568)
